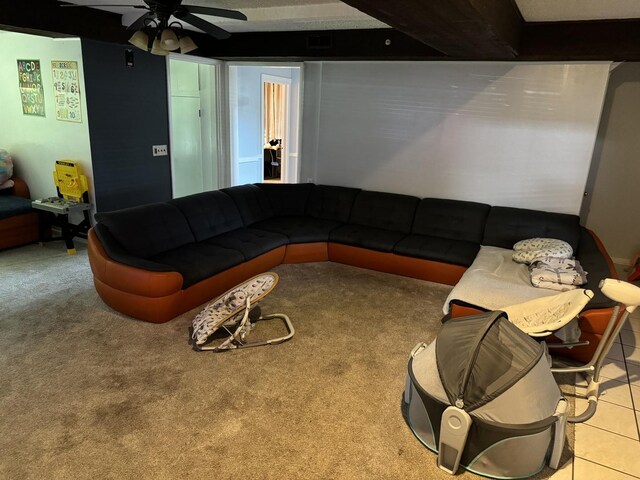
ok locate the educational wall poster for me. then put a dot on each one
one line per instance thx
(66, 90)
(30, 84)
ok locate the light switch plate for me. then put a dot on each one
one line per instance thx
(160, 151)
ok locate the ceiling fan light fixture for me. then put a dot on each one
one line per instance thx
(187, 44)
(139, 39)
(156, 48)
(169, 39)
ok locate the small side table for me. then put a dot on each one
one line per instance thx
(59, 210)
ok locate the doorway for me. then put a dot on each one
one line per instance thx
(194, 124)
(264, 118)
(275, 126)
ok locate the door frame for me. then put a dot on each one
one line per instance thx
(232, 108)
(220, 110)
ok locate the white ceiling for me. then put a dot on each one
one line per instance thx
(265, 15)
(292, 15)
(567, 10)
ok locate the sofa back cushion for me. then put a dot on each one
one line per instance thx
(451, 219)
(287, 198)
(252, 202)
(148, 230)
(209, 213)
(328, 202)
(505, 226)
(389, 211)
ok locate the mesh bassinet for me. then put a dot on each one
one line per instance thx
(482, 395)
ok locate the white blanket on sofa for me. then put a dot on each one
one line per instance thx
(494, 281)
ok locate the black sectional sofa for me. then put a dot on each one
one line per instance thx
(157, 261)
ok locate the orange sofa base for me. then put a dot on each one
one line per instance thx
(19, 230)
(306, 253)
(400, 265)
(158, 297)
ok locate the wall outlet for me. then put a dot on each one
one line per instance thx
(309, 180)
(160, 151)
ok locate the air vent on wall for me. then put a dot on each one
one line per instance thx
(319, 41)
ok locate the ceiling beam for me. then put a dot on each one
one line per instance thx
(612, 40)
(458, 28)
(615, 40)
(371, 44)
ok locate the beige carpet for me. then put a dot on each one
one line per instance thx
(86, 392)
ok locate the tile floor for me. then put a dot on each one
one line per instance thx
(607, 447)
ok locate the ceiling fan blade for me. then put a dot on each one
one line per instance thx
(215, 32)
(102, 5)
(215, 12)
(140, 22)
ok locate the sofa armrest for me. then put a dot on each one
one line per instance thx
(127, 278)
(20, 188)
(596, 261)
(116, 252)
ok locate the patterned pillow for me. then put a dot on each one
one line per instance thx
(527, 251)
(540, 244)
(6, 166)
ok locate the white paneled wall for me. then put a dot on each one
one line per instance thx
(511, 134)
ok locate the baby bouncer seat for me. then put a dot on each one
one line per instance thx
(234, 314)
(482, 395)
(558, 315)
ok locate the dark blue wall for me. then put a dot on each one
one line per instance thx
(128, 113)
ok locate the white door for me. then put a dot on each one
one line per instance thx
(194, 128)
(186, 142)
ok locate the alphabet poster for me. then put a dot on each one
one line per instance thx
(66, 89)
(30, 84)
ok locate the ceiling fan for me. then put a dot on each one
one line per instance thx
(155, 32)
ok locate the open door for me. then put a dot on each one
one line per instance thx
(194, 125)
(275, 128)
(250, 160)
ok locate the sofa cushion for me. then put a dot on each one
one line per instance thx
(209, 213)
(506, 226)
(458, 252)
(299, 229)
(148, 230)
(287, 198)
(595, 264)
(10, 206)
(198, 261)
(329, 202)
(252, 202)
(366, 237)
(388, 211)
(251, 242)
(452, 219)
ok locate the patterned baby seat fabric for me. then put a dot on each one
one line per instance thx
(227, 308)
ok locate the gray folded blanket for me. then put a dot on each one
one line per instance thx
(557, 273)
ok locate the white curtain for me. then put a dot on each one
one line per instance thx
(274, 110)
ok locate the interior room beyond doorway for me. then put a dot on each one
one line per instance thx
(274, 113)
